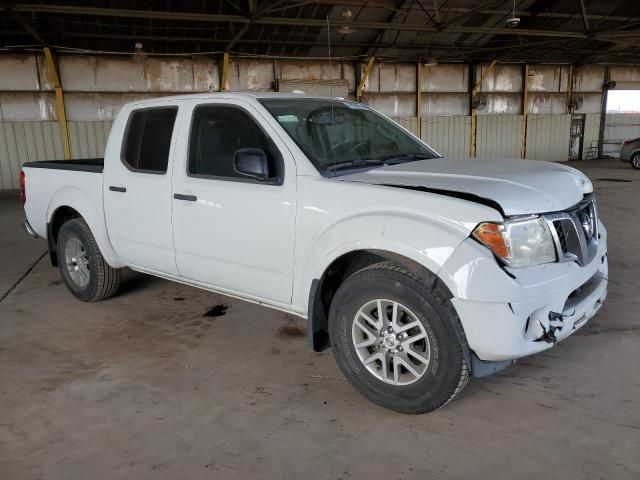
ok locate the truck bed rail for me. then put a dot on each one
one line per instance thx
(94, 165)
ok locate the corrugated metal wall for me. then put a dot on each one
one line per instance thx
(498, 136)
(96, 87)
(622, 126)
(31, 141)
(88, 139)
(591, 132)
(410, 123)
(450, 136)
(548, 137)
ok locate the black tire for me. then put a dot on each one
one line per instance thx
(635, 160)
(447, 372)
(103, 279)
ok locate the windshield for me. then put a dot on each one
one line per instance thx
(339, 135)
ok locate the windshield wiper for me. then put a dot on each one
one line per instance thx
(408, 157)
(354, 163)
(377, 161)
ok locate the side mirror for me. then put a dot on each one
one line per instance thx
(253, 163)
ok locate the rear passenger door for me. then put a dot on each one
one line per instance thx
(138, 189)
(232, 232)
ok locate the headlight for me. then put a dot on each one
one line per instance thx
(518, 243)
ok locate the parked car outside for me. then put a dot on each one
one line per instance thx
(630, 152)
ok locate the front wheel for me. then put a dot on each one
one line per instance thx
(84, 270)
(393, 338)
(635, 160)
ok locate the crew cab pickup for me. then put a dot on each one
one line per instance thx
(418, 271)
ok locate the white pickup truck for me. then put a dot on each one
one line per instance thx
(418, 271)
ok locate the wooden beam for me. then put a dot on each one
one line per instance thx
(224, 72)
(485, 72)
(525, 108)
(363, 78)
(54, 77)
(474, 92)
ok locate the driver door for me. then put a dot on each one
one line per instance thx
(231, 232)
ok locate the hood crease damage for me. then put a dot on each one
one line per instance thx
(512, 187)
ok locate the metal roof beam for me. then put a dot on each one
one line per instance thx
(440, 9)
(320, 42)
(301, 22)
(208, 17)
(583, 14)
(26, 26)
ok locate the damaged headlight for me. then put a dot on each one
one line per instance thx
(518, 243)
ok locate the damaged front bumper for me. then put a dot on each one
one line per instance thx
(510, 313)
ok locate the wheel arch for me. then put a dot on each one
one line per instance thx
(60, 216)
(68, 203)
(324, 288)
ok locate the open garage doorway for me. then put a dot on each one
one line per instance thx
(622, 119)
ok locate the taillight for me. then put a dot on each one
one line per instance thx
(23, 189)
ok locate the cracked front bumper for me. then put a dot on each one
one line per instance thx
(506, 318)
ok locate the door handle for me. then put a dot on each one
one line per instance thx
(117, 189)
(188, 198)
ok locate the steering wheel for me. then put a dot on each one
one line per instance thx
(346, 142)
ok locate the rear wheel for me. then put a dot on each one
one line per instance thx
(635, 160)
(83, 268)
(394, 339)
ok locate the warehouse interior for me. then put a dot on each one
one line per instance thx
(149, 386)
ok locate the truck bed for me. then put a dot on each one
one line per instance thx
(75, 182)
(94, 165)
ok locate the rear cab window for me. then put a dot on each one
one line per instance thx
(147, 139)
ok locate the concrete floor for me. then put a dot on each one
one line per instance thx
(145, 386)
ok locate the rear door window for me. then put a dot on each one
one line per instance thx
(148, 139)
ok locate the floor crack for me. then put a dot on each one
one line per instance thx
(22, 277)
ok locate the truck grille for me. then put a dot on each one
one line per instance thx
(575, 231)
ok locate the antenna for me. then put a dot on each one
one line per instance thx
(330, 63)
(333, 151)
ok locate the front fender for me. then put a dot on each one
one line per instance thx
(78, 200)
(423, 239)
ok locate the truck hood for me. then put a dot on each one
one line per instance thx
(518, 187)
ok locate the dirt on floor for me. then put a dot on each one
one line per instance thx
(170, 382)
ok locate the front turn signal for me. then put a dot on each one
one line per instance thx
(491, 235)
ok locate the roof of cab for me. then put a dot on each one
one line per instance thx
(252, 96)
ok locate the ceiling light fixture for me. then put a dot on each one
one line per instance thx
(514, 21)
(346, 16)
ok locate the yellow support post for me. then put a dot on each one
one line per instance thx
(364, 77)
(419, 99)
(474, 92)
(525, 107)
(225, 70)
(62, 117)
